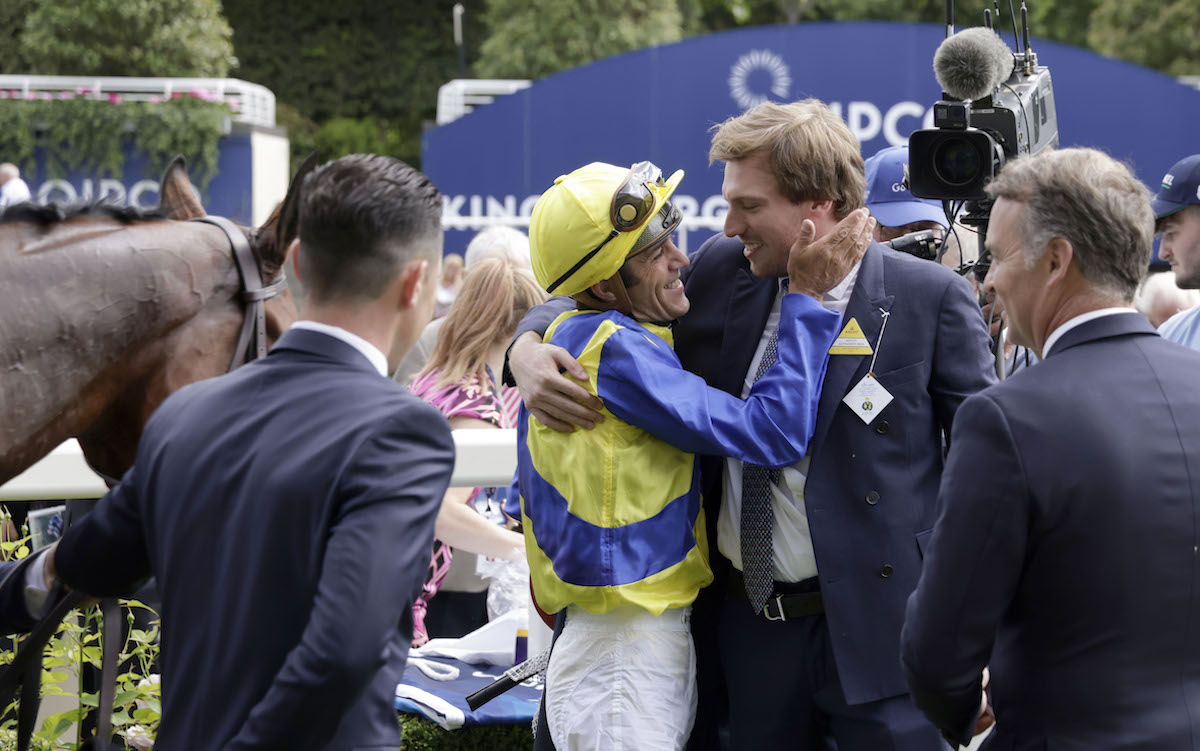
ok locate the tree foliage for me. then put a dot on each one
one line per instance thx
(352, 76)
(125, 38)
(534, 38)
(1154, 33)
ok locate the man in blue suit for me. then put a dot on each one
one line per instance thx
(819, 659)
(287, 508)
(1064, 556)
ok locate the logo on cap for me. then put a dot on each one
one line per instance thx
(1168, 180)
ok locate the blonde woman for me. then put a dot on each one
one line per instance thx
(460, 379)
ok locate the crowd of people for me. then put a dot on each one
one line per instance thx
(772, 492)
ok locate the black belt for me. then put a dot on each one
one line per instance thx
(781, 607)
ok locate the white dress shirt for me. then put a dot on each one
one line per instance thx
(373, 354)
(791, 540)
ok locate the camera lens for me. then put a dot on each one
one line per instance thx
(957, 162)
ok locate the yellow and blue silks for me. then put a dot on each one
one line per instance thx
(613, 515)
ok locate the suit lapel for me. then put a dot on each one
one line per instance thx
(750, 304)
(866, 306)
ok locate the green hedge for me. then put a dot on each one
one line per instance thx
(422, 735)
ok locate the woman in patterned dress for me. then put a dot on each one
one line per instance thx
(460, 380)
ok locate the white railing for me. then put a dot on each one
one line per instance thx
(460, 96)
(249, 102)
(484, 457)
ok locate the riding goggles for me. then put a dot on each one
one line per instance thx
(632, 207)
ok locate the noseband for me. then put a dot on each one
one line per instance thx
(254, 293)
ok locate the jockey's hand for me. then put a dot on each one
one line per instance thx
(816, 266)
(544, 374)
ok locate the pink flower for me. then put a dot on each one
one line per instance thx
(82, 90)
(65, 95)
(235, 103)
(155, 99)
(114, 98)
(177, 95)
(30, 96)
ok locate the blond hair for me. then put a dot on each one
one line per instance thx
(495, 296)
(811, 152)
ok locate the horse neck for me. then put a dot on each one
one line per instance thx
(86, 308)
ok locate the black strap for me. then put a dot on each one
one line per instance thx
(110, 654)
(254, 292)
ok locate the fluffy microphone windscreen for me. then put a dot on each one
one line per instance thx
(970, 64)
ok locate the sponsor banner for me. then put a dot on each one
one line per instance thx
(660, 103)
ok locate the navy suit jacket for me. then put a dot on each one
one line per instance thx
(1065, 554)
(871, 489)
(14, 615)
(287, 510)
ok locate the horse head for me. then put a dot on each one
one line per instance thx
(201, 347)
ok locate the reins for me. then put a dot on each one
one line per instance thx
(26, 668)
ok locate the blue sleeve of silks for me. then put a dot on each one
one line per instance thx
(642, 383)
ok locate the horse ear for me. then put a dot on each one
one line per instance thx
(176, 198)
(287, 221)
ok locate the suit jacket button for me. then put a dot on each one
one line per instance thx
(881, 427)
(886, 570)
(872, 498)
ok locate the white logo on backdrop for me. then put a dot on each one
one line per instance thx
(755, 60)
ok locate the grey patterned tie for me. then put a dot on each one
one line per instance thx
(758, 519)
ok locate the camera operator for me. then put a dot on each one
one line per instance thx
(897, 211)
(1177, 212)
(1064, 554)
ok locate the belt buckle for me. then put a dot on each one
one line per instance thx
(778, 608)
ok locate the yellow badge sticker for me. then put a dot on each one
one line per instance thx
(851, 341)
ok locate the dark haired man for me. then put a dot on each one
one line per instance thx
(287, 508)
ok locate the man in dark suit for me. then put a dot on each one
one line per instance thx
(819, 659)
(287, 508)
(1064, 556)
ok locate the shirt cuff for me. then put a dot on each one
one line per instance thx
(36, 593)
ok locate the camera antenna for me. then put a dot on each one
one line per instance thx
(987, 18)
(950, 18)
(1029, 59)
(1012, 15)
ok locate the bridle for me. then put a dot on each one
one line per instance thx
(254, 293)
(26, 668)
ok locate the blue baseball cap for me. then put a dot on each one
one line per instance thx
(888, 197)
(1180, 187)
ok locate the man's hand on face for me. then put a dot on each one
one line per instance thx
(548, 392)
(817, 266)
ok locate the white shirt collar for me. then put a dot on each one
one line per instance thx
(1082, 318)
(373, 354)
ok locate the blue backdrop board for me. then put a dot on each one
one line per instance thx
(659, 104)
(229, 193)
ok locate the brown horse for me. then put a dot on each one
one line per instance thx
(104, 312)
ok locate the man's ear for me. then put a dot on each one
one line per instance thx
(412, 281)
(293, 252)
(1058, 256)
(823, 207)
(603, 291)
